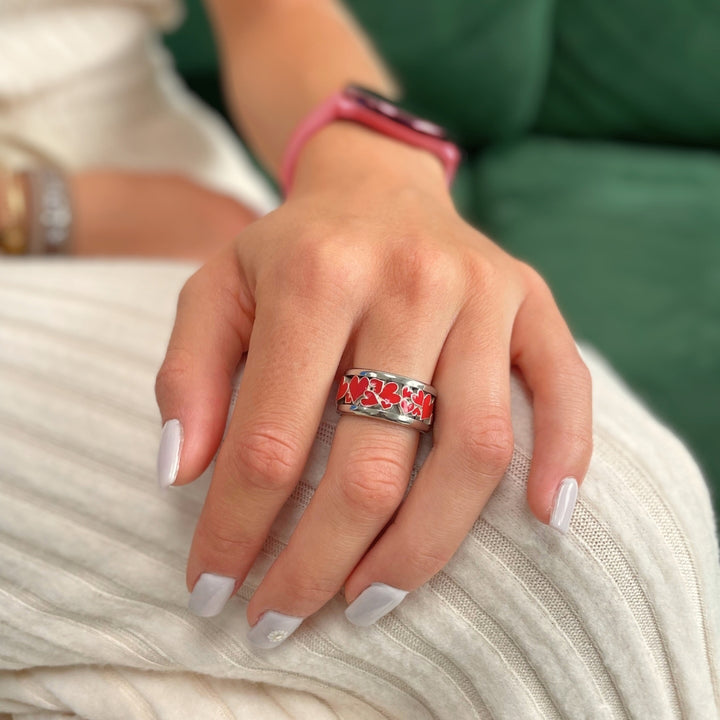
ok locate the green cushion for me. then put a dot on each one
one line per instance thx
(193, 44)
(635, 69)
(628, 237)
(476, 67)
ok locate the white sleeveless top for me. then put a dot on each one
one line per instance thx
(44, 42)
(88, 83)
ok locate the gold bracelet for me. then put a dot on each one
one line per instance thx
(13, 237)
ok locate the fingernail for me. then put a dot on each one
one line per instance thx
(168, 460)
(373, 603)
(273, 628)
(210, 594)
(564, 504)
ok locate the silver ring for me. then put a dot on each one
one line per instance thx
(387, 396)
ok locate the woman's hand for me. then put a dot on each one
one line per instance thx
(366, 265)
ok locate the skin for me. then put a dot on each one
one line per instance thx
(367, 245)
(152, 215)
(148, 215)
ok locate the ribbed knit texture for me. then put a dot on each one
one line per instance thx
(618, 619)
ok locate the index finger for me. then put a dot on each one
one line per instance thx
(292, 359)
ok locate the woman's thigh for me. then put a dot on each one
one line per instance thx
(616, 619)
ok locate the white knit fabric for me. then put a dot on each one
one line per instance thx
(617, 620)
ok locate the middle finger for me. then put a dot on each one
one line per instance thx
(366, 477)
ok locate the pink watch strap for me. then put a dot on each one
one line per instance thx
(340, 106)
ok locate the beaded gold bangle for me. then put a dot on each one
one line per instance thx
(13, 237)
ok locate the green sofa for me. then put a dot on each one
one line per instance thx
(591, 132)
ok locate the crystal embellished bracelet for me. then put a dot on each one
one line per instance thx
(51, 211)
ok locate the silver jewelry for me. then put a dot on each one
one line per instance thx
(51, 211)
(387, 396)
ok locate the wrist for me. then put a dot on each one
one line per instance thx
(349, 155)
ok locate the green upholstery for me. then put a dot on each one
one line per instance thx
(437, 48)
(628, 238)
(645, 70)
(193, 47)
(432, 47)
(540, 92)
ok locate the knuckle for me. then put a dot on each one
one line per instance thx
(572, 377)
(423, 270)
(188, 292)
(581, 374)
(483, 275)
(323, 266)
(267, 457)
(534, 281)
(581, 441)
(224, 541)
(173, 373)
(307, 589)
(374, 482)
(426, 561)
(489, 444)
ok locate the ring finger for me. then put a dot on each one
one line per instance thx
(472, 446)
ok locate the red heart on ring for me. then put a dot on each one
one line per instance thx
(427, 408)
(406, 405)
(370, 398)
(389, 395)
(376, 385)
(358, 385)
(371, 394)
(383, 394)
(342, 389)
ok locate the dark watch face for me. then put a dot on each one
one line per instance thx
(379, 104)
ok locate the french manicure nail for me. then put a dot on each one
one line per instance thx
(373, 603)
(564, 504)
(273, 628)
(168, 460)
(210, 594)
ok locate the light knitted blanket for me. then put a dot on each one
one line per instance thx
(618, 619)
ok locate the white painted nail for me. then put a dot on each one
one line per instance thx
(273, 628)
(210, 594)
(564, 504)
(168, 460)
(373, 603)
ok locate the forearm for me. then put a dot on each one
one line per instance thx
(157, 215)
(133, 214)
(282, 57)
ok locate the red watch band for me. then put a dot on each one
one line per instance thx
(386, 119)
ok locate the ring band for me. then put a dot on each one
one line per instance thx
(387, 396)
